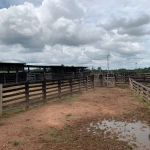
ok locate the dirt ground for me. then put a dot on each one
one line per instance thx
(56, 125)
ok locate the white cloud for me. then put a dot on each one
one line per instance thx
(74, 32)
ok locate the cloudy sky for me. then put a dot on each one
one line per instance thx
(76, 32)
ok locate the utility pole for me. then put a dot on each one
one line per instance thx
(135, 65)
(108, 63)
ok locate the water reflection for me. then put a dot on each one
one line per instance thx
(136, 134)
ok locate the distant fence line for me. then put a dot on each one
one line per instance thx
(28, 93)
(20, 77)
(140, 89)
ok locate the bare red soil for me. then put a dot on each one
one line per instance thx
(56, 125)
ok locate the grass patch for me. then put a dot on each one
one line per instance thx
(140, 99)
(72, 97)
(15, 143)
(69, 115)
(53, 133)
(13, 112)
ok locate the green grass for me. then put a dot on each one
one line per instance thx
(72, 97)
(140, 99)
(13, 112)
(53, 139)
(15, 143)
(53, 133)
(69, 115)
(149, 136)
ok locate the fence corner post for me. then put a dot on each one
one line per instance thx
(1, 99)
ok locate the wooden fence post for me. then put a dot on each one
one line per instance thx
(86, 82)
(93, 79)
(101, 79)
(59, 88)
(144, 79)
(1, 99)
(70, 84)
(4, 78)
(27, 93)
(44, 89)
(16, 77)
(79, 82)
(44, 76)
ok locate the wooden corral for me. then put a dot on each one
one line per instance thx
(15, 72)
(140, 89)
(34, 92)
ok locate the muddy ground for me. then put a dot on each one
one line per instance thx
(58, 125)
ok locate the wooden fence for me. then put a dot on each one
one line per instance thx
(21, 77)
(140, 89)
(34, 92)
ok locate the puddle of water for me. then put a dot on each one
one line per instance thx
(136, 134)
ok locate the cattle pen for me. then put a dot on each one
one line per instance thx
(28, 93)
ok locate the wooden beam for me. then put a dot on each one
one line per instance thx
(1, 99)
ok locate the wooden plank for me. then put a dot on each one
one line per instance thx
(1, 99)
(35, 94)
(52, 90)
(74, 84)
(56, 87)
(65, 88)
(14, 94)
(12, 85)
(75, 88)
(49, 84)
(35, 86)
(14, 99)
(35, 90)
(65, 85)
(13, 90)
(52, 96)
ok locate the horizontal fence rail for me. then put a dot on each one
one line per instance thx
(140, 89)
(29, 93)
